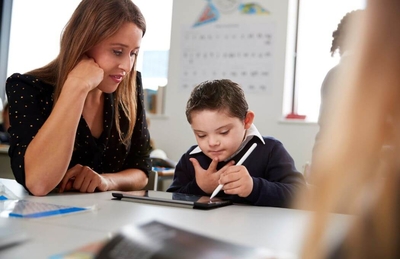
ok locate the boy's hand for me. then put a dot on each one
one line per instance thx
(237, 180)
(207, 180)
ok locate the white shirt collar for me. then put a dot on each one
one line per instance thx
(250, 133)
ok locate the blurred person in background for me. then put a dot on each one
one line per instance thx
(344, 50)
(352, 174)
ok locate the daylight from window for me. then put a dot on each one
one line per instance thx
(317, 20)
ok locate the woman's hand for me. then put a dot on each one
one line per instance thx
(86, 73)
(83, 179)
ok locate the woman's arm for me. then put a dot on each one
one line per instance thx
(127, 180)
(84, 179)
(48, 154)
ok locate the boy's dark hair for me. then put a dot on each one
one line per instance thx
(218, 95)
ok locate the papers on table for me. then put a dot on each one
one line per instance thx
(6, 194)
(31, 209)
(12, 206)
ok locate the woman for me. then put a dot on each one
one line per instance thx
(339, 45)
(352, 173)
(78, 123)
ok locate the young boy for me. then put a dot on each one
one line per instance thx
(223, 126)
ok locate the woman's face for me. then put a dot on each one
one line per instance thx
(116, 55)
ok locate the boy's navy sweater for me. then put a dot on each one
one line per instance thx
(275, 178)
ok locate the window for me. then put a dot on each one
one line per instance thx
(316, 22)
(5, 20)
(31, 47)
(153, 61)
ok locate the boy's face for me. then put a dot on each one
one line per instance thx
(218, 134)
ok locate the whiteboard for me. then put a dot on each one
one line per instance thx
(225, 39)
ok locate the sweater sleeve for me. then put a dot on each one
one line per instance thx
(280, 182)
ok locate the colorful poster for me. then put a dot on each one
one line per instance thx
(214, 8)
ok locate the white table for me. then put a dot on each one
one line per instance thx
(266, 227)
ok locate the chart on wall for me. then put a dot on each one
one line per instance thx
(212, 48)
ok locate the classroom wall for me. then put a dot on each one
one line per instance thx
(173, 134)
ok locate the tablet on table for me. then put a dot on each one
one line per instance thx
(173, 199)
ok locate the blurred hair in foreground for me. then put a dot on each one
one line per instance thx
(356, 167)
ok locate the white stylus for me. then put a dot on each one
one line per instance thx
(244, 157)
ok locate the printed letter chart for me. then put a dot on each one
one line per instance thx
(240, 52)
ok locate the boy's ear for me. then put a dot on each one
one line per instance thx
(249, 119)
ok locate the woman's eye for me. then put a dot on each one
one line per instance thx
(134, 54)
(117, 52)
(225, 132)
(201, 136)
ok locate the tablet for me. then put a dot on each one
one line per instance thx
(173, 199)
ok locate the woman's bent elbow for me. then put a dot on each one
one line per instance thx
(38, 188)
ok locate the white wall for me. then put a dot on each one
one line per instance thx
(173, 134)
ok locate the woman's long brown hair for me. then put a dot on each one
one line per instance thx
(92, 22)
